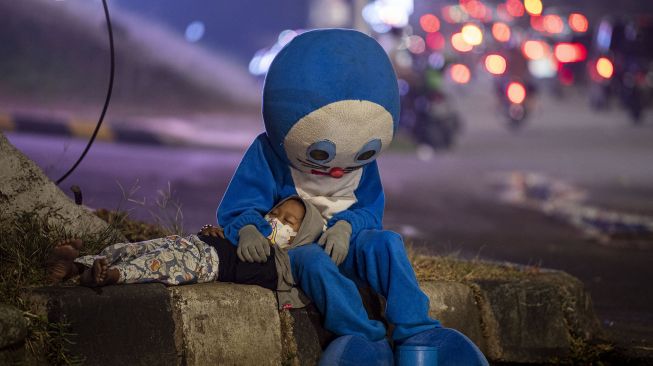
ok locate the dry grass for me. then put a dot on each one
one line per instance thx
(26, 240)
(133, 230)
(451, 268)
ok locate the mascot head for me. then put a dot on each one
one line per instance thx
(331, 101)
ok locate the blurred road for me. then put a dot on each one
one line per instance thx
(445, 205)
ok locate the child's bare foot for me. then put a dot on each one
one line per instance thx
(99, 275)
(60, 265)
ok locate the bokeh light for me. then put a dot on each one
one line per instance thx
(195, 31)
(566, 76)
(460, 73)
(553, 24)
(570, 52)
(537, 23)
(501, 32)
(578, 22)
(543, 68)
(416, 44)
(515, 8)
(533, 7)
(429, 23)
(495, 64)
(535, 50)
(436, 60)
(516, 92)
(383, 15)
(474, 8)
(459, 43)
(604, 67)
(435, 41)
(472, 34)
(286, 36)
(453, 14)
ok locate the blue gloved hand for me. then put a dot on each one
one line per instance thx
(252, 245)
(336, 241)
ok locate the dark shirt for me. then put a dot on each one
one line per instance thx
(232, 269)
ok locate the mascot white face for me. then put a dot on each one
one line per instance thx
(330, 102)
(337, 139)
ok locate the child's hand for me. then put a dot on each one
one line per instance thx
(210, 230)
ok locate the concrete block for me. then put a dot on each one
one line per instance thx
(114, 325)
(536, 319)
(309, 334)
(227, 324)
(455, 306)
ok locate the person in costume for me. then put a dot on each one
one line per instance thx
(330, 107)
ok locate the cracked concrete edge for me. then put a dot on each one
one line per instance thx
(489, 324)
(244, 323)
(557, 327)
(289, 349)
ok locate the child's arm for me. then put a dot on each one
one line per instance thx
(367, 212)
(251, 193)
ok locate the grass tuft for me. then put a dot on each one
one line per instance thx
(451, 268)
(133, 230)
(26, 239)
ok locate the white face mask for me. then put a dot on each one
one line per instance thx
(281, 233)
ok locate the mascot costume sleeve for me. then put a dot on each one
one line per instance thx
(331, 106)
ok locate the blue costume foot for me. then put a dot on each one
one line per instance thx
(453, 348)
(357, 351)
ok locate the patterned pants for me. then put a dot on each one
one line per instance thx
(172, 260)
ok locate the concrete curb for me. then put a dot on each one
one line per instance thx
(24, 123)
(224, 132)
(535, 320)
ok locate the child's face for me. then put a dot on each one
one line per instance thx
(290, 213)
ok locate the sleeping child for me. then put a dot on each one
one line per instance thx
(206, 257)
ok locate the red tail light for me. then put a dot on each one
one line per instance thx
(570, 52)
(516, 92)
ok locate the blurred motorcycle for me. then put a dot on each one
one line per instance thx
(623, 66)
(514, 99)
(429, 118)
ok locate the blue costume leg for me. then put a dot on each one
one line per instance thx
(379, 258)
(335, 296)
(362, 340)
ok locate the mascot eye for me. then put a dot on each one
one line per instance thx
(369, 151)
(321, 152)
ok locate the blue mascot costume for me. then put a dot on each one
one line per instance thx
(331, 106)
